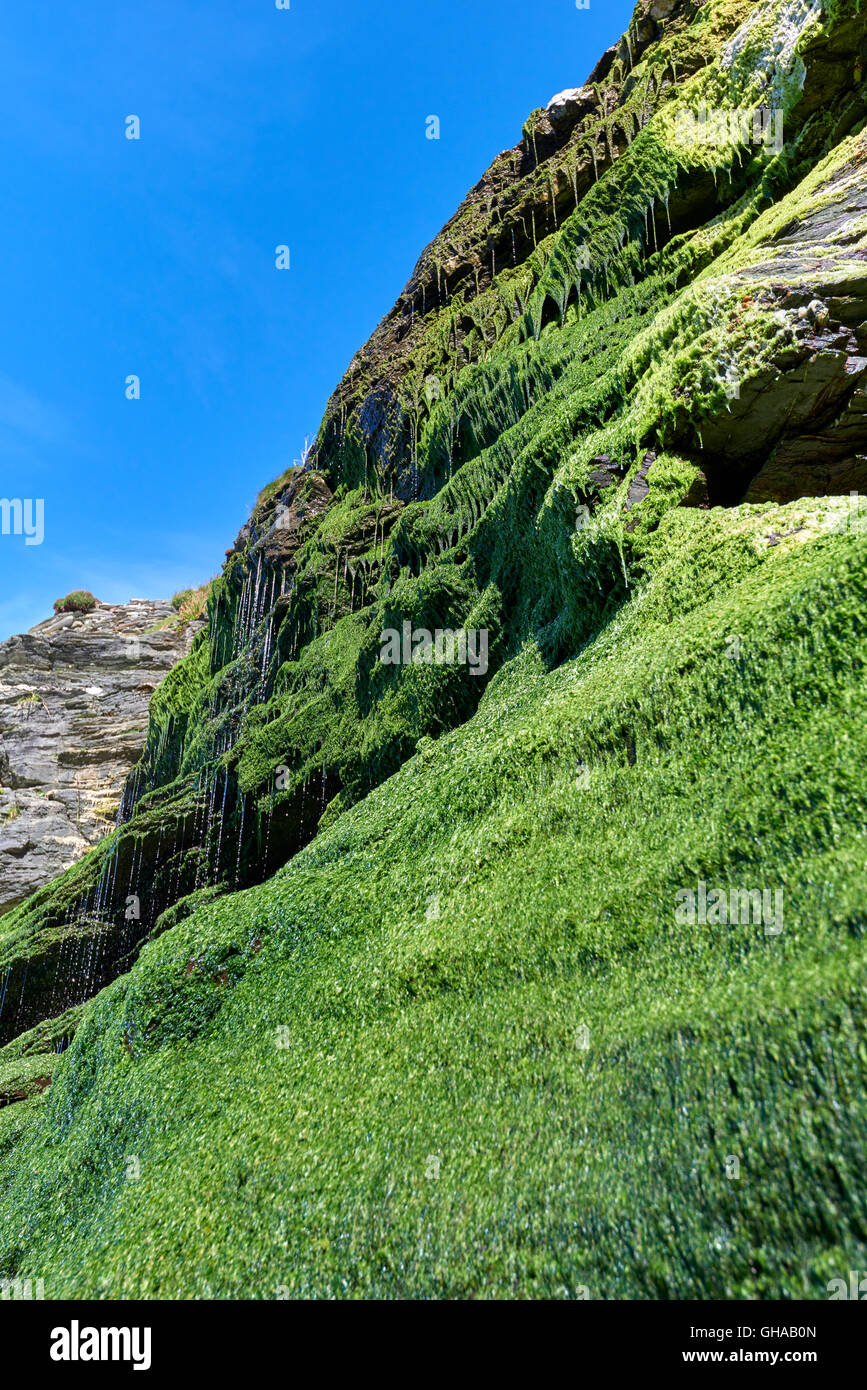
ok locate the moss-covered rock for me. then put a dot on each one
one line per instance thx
(398, 945)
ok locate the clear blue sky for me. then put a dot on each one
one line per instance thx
(155, 257)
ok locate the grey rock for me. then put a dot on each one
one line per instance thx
(566, 108)
(74, 695)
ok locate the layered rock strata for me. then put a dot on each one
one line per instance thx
(74, 695)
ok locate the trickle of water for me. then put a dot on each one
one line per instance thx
(240, 842)
(266, 652)
(268, 826)
(222, 823)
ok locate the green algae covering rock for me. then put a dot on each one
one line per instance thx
(401, 978)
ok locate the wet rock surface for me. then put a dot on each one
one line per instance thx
(798, 426)
(74, 697)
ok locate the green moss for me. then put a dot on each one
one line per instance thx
(185, 907)
(51, 1035)
(372, 1017)
(379, 1045)
(25, 1077)
(79, 601)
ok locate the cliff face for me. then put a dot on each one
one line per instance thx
(613, 424)
(74, 698)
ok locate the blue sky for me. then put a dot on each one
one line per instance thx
(156, 257)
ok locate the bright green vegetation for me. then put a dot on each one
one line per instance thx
(191, 603)
(79, 601)
(366, 1074)
(415, 1035)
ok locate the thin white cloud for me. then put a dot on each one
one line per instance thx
(25, 415)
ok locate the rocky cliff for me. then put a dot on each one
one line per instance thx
(547, 978)
(74, 695)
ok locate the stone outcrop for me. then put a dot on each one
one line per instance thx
(612, 422)
(615, 322)
(74, 697)
(796, 426)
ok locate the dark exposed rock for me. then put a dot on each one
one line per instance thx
(639, 487)
(298, 507)
(797, 427)
(697, 495)
(607, 472)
